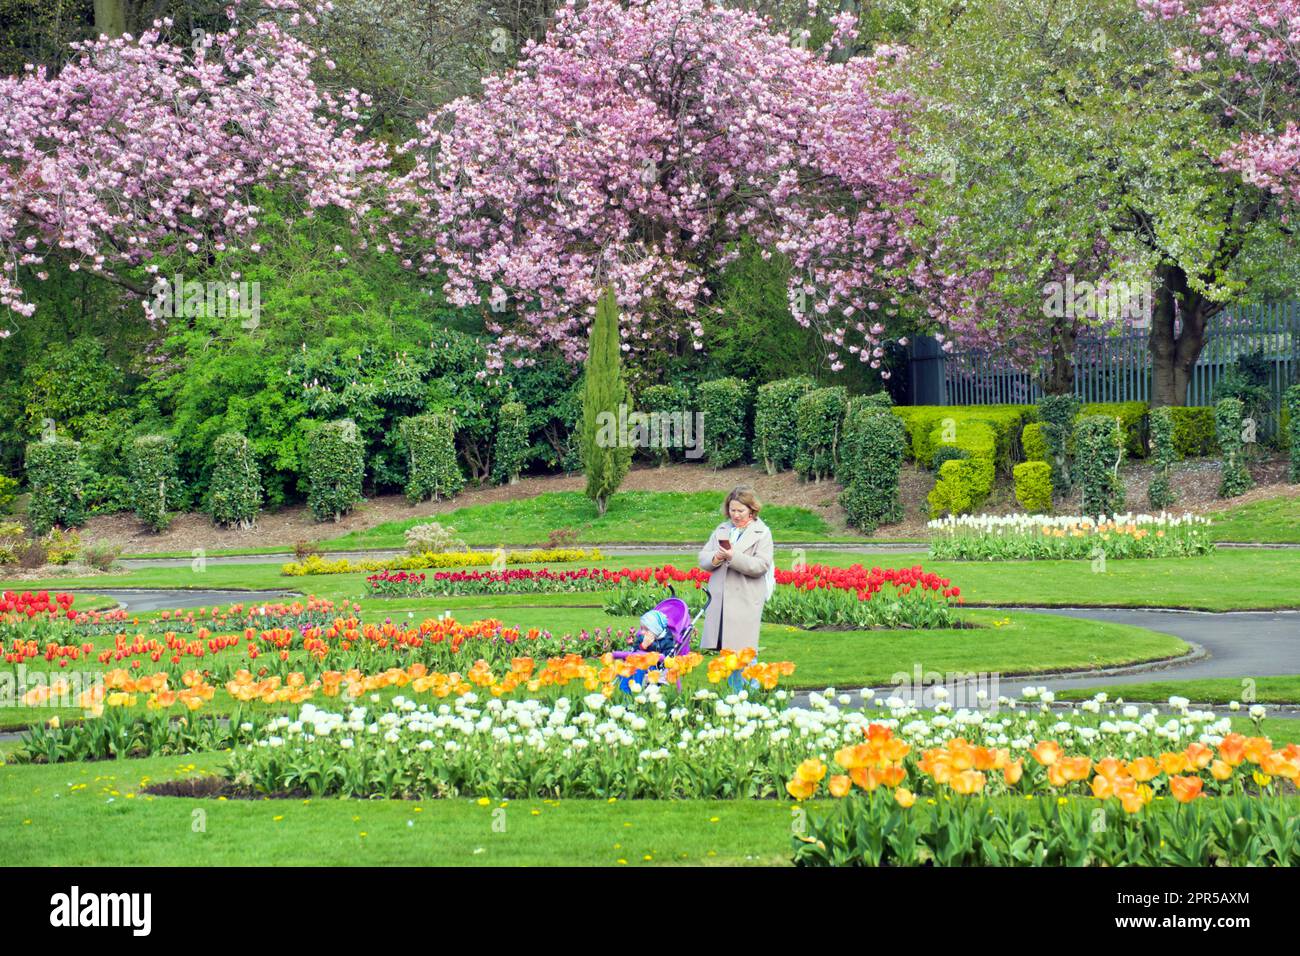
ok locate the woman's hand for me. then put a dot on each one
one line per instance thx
(719, 556)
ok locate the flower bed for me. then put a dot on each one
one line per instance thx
(316, 564)
(516, 581)
(1020, 537)
(813, 596)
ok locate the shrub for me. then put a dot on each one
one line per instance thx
(1133, 420)
(669, 403)
(303, 549)
(100, 555)
(776, 436)
(335, 469)
(1099, 448)
(954, 491)
(1057, 414)
(1034, 443)
(155, 487)
(8, 492)
(1193, 431)
(32, 554)
(979, 441)
(54, 477)
(872, 452)
(431, 468)
(432, 537)
(1228, 415)
(819, 417)
(1291, 410)
(235, 495)
(922, 421)
(605, 458)
(61, 546)
(107, 494)
(1160, 493)
(949, 453)
(13, 540)
(1033, 481)
(511, 445)
(725, 404)
(560, 538)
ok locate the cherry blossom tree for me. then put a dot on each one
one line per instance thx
(147, 147)
(634, 146)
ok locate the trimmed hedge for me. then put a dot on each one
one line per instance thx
(1034, 444)
(1058, 413)
(871, 454)
(54, 475)
(1099, 445)
(235, 494)
(1193, 431)
(155, 487)
(336, 466)
(726, 404)
(1007, 421)
(776, 439)
(1033, 480)
(1133, 419)
(1291, 411)
(511, 447)
(820, 419)
(431, 467)
(955, 490)
(1160, 492)
(1228, 415)
(668, 400)
(979, 441)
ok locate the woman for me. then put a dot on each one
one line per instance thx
(739, 553)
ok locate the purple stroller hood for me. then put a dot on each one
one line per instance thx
(677, 614)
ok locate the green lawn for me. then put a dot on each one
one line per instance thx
(1238, 579)
(1272, 521)
(1264, 690)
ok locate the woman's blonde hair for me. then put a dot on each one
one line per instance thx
(745, 495)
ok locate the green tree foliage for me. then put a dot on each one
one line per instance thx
(605, 456)
(235, 492)
(336, 469)
(871, 455)
(54, 477)
(819, 420)
(726, 404)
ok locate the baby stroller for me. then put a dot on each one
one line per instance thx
(681, 627)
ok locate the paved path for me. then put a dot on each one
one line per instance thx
(1235, 645)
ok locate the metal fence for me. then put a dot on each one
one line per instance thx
(1117, 368)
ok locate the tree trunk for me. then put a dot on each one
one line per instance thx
(1174, 353)
(1060, 376)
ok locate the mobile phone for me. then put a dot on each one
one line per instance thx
(724, 544)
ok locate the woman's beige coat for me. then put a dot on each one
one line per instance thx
(738, 586)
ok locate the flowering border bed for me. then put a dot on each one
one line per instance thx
(1020, 537)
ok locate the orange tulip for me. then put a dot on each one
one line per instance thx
(1047, 752)
(840, 785)
(811, 770)
(1110, 768)
(1012, 772)
(1075, 768)
(1185, 789)
(1220, 770)
(904, 797)
(858, 755)
(1055, 777)
(967, 782)
(800, 789)
(1143, 769)
(1256, 747)
(1172, 763)
(1102, 787)
(1198, 755)
(893, 775)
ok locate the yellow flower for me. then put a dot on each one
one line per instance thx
(904, 797)
(483, 801)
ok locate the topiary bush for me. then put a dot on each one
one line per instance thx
(725, 404)
(1034, 443)
(1228, 416)
(1193, 431)
(511, 446)
(819, 417)
(55, 478)
(949, 453)
(1291, 412)
(1160, 492)
(431, 467)
(776, 430)
(155, 485)
(954, 491)
(1099, 451)
(1057, 414)
(235, 492)
(871, 454)
(1033, 482)
(979, 441)
(1133, 418)
(336, 467)
(670, 405)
